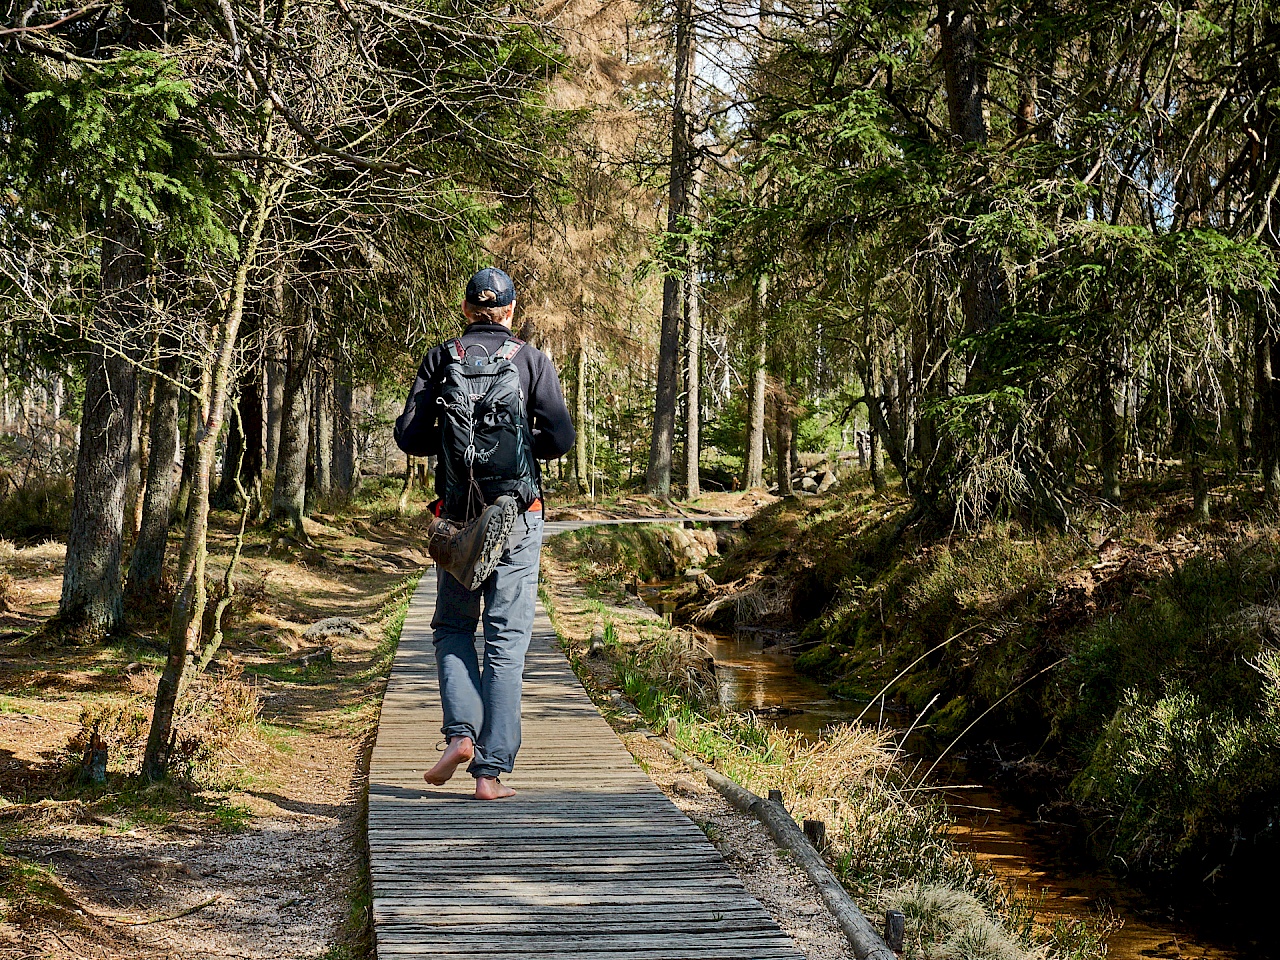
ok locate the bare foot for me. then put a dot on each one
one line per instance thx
(489, 788)
(459, 751)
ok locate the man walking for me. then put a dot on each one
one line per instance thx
(466, 409)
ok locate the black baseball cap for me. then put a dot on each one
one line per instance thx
(490, 288)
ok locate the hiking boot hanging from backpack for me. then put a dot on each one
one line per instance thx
(471, 552)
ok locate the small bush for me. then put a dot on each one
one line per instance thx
(37, 511)
(122, 724)
(210, 718)
(8, 592)
(212, 715)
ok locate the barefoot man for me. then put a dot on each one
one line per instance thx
(489, 406)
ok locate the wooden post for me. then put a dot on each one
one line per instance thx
(816, 832)
(775, 796)
(895, 929)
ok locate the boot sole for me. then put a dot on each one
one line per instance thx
(496, 533)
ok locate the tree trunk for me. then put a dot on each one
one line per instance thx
(1199, 491)
(693, 358)
(782, 440)
(224, 497)
(322, 412)
(140, 442)
(276, 366)
(92, 605)
(146, 566)
(757, 382)
(344, 437)
(191, 434)
(580, 417)
(962, 34)
(1266, 412)
(288, 501)
(242, 456)
(188, 607)
(876, 460)
(275, 403)
(658, 477)
(1112, 432)
(963, 46)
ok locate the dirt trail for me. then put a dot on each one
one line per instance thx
(265, 847)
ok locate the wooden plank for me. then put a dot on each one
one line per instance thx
(589, 861)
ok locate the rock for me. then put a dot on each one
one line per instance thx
(808, 484)
(318, 657)
(693, 573)
(828, 481)
(335, 627)
(707, 539)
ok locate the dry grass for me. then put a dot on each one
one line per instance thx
(267, 759)
(889, 847)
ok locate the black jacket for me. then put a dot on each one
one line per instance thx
(418, 428)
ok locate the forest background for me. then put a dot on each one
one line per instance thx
(1029, 257)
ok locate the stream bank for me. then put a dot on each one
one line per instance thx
(888, 851)
(1002, 828)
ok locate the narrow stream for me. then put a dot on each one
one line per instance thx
(753, 676)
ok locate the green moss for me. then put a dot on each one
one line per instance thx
(821, 661)
(949, 721)
(616, 553)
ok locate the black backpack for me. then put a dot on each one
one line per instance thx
(486, 447)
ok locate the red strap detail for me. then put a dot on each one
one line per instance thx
(459, 350)
(509, 349)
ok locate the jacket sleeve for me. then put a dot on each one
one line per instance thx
(417, 430)
(553, 433)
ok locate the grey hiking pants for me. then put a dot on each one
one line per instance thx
(485, 704)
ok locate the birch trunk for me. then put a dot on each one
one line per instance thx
(188, 607)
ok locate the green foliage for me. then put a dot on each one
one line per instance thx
(1172, 710)
(36, 511)
(116, 137)
(990, 286)
(618, 553)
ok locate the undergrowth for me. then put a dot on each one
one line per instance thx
(1129, 660)
(890, 845)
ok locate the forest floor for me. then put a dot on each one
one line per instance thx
(254, 848)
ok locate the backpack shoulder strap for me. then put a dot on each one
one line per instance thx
(456, 350)
(509, 349)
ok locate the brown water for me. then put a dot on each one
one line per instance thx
(754, 676)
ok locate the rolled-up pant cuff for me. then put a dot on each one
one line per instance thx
(479, 772)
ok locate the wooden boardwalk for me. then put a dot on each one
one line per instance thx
(589, 861)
